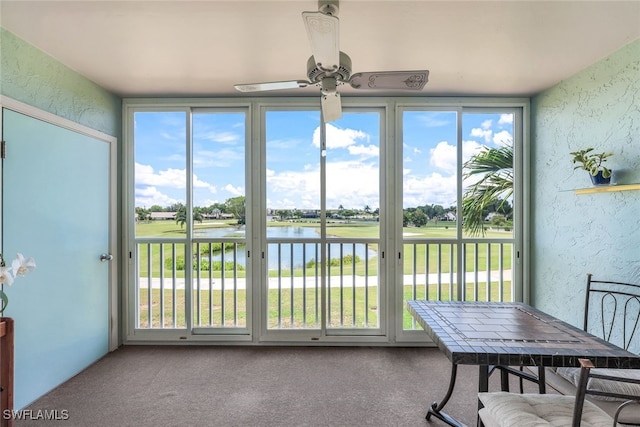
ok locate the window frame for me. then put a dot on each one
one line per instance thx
(391, 186)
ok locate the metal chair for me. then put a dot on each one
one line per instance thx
(504, 409)
(611, 312)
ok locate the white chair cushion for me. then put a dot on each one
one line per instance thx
(572, 375)
(537, 410)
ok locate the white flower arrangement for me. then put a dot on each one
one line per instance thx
(20, 266)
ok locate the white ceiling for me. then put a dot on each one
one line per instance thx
(202, 48)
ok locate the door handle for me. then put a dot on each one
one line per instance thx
(106, 257)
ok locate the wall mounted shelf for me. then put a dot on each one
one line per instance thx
(607, 188)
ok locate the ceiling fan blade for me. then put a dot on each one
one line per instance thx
(331, 107)
(324, 35)
(256, 87)
(407, 80)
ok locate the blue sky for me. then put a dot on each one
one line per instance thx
(293, 157)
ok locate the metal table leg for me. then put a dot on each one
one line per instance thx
(436, 408)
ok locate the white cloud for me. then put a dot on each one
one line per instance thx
(353, 184)
(503, 138)
(482, 133)
(505, 119)
(349, 183)
(169, 178)
(432, 189)
(438, 187)
(444, 157)
(197, 183)
(364, 150)
(173, 178)
(340, 138)
(470, 148)
(149, 196)
(236, 191)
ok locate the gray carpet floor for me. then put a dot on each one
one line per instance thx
(262, 386)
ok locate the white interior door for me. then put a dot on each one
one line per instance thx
(56, 209)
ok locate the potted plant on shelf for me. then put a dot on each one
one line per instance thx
(593, 163)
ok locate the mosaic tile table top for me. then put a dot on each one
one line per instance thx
(512, 334)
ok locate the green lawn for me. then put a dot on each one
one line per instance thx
(299, 310)
(235, 307)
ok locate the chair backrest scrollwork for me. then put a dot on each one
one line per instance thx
(612, 312)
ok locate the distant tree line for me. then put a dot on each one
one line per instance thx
(234, 206)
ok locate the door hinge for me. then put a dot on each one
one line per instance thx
(3, 149)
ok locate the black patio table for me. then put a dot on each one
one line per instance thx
(508, 334)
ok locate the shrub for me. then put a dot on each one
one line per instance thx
(335, 262)
(204, 264)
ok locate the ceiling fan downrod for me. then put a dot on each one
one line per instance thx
(328, 7)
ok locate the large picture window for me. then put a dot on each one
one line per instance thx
(257, 222)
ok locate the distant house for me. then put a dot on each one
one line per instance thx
(163, 215)
(448, 216)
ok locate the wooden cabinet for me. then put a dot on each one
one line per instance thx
(6, 371)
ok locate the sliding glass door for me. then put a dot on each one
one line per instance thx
(461, 206)
(191, 260)
(322, 225)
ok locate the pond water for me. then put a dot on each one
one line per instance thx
(287, 254)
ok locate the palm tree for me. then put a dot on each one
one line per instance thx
(181, 217)
(495, 168)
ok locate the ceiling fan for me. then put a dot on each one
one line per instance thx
(329, 68)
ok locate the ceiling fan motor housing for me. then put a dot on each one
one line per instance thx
(342, 74)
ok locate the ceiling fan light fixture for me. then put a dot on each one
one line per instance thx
(331, 107)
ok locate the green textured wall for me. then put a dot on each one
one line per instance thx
(573, 235)
(30, 76)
